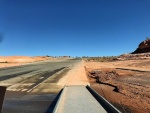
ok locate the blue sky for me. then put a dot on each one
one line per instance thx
(73, 27)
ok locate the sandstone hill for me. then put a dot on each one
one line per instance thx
(144, 47)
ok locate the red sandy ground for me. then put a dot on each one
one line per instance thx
(8, 61)
(133, 83)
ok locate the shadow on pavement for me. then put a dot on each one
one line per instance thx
(53, 104)
(2, 94)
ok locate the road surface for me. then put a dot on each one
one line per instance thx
(32, 87)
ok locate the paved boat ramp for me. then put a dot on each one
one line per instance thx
(82, 99)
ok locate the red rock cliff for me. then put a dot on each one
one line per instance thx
(144, 47)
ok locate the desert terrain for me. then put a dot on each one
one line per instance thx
(126, 84)
(9, 61)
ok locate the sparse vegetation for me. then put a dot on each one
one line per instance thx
(100, 59)
(4, 62)
(48, 56)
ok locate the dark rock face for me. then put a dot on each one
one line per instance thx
(144, 47)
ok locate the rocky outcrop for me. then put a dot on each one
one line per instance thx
(144, 47)
(102, 76)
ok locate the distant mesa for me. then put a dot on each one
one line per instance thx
(144, 47)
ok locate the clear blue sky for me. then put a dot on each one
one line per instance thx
(73, 27)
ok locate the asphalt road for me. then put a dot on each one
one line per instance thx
(32, 88)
